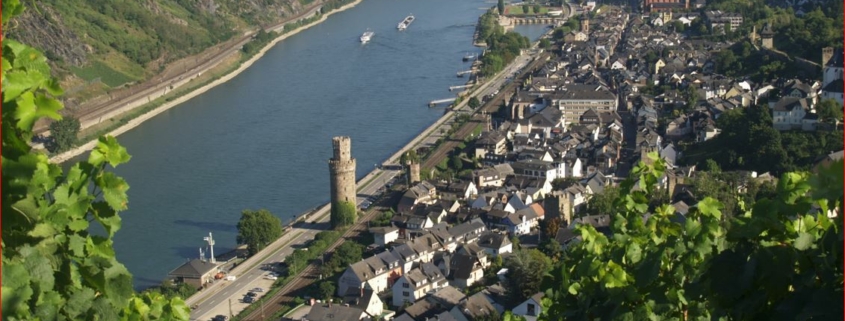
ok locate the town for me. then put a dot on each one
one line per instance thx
(625, 165)
(465, 239)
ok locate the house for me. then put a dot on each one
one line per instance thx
(474, 307)
(531, 308)
(385, 235)
(789, 113)
(468, 232)
(424, 192)
(535, 168)
(491, 142)
(495, 244)
(488, 177)
(364, 299)
(377, 273)
(417, 283)
(336, 312)
(463, 270)
(195, 273)
(575, 99)
(719, 20)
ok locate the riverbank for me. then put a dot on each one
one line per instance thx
(134, 122)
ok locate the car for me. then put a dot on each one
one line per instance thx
(219, 317)
(271, 277)
(248, 299)
(251, 294)
(257, 290)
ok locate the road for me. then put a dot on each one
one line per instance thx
(234, 291)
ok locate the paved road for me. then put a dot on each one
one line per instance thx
(234, 291)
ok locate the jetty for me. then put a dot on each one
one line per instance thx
(451, 88)
(462, 73)
(440, 101)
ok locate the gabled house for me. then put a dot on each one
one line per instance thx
(336, 312)
(495, 244)
(417, 283)
(385, 235)
(474, 307)
(195, 273)
(366, 300)
(377, 273)
(530, 308)
(789, 113)
(424, 192)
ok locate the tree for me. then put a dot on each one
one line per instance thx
(473, 102)
(545, 43)
(456, 162)
(348, 253)
(526, 269)
(602, 203)
(779, 259)
(64, 133)
(536, 9)
(257, 229)
(410, 155)
(326, 290)
(550, 226)
(501, 6)
(559, 184)
(53, 268)
(526, 9)
(830, 111)
(343, 214)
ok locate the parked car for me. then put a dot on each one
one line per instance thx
(251, 294)
(249, 299)
(219, 317)
(257, 290)
(271, 277)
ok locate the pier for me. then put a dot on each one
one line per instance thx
(462, 73)
(440, 101)
(451, 88)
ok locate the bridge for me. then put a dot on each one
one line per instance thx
(440, 101)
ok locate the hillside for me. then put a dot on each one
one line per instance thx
(98, 45)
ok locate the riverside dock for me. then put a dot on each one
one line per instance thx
(440, 101)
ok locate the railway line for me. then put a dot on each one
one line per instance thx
(310, 274)
(479, 116)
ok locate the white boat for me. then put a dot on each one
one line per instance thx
(469, 57)
(405, 23)
(367, 36)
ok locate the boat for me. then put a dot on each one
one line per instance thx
(367, 36)
(469, 57)
(405, 23)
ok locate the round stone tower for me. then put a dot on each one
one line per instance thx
(413, 172)
(342, 171)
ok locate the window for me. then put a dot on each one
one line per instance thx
(406, 293)
(405, 285)
(532, 309)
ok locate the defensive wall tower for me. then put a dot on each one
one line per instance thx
(342, 171)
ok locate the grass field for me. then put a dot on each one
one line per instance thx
(98, 69)
(517, 10)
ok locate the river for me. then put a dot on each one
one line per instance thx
(262, 140)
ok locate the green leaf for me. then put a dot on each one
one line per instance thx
(99, 246)
(79, 302)
(574, 288)
(179, 310)
(114, 190)
(634, 254)
(42, 230)
(107, 217)
(804, 241)
(78, 225)
(118, 287)
(11, 8)
(76, 245)
(711, 207)
(108, 150)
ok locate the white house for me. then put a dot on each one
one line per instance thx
(531, 308)
(789, 113)
(417, 283)
(385, 235)
(495, 244)
(366, 300)
(376, 272)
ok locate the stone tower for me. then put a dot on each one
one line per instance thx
(342, 174)
(767, 36)
(827, 53)
(585, 24)
(413, 173)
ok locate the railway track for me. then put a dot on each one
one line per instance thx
(478, 116)
(308, 275)
(152, 85)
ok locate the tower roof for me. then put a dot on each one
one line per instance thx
(767, 31)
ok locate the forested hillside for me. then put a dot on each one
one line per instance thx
(110, 43)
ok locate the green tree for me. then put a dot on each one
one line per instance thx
(536, 9)
(257, 229)
(526, 269)
(526, 9)
(64, 133)
(559, 184)
(779, 260)
(343, 214)
(456, 162)
(829, 111)
(501, 6)
(602, 203)
(410, 155)
(348, 253)
(326, 289)
(474, 102)
(53, 268)
(545, 43)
